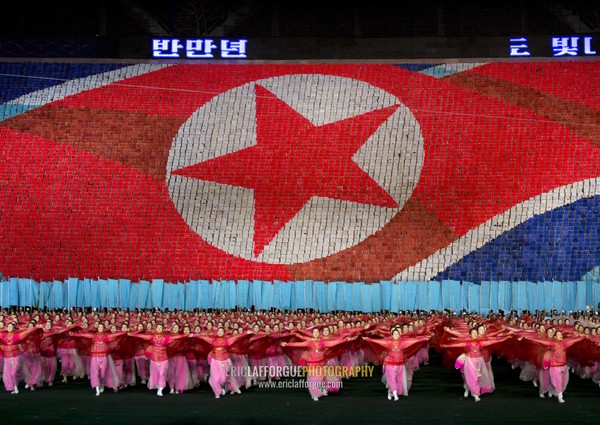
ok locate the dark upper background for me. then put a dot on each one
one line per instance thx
(295, 30)
(285, 19)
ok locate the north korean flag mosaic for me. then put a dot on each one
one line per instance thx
(354, 173)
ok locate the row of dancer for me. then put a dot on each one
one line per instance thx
(112, 347)
(196, 347)
(544, 355)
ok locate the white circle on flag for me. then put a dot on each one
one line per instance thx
(223, 215)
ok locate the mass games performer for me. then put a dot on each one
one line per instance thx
(396, 351)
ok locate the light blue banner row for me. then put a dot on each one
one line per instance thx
(358, 296)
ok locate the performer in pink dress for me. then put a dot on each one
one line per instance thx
(48, 351)
(219, 359)
(127, 350)
(159, 359)
(241, 363)
(70, 361)
(314, 356)
(201, 352)
(396, 351)
(115, 360)
(178, 376)
(257, 354)
(100, 364)
(539, 357)
(12, 355)
(32, 360)
(190, 357)
(333, 381)
(274, 353)
(556, 359)
(142, 364)
(476, 373)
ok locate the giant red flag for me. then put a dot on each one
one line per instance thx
(321, 172)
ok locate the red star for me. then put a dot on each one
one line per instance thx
(295, 160)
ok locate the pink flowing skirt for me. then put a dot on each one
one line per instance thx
(158, 374)
(32, 369)
(202, 368)
(477, 376)
(259, 366)
(71, 364)
(544, 380)
(10, 372)
(142, 364)
(240, 376)
(129, 371)
(395, 376)
(559, 378)
(332, 381)
(179, 375)
(49, 366)
(103, 372)
(316, 382)
(218, 374)
(193, 369)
